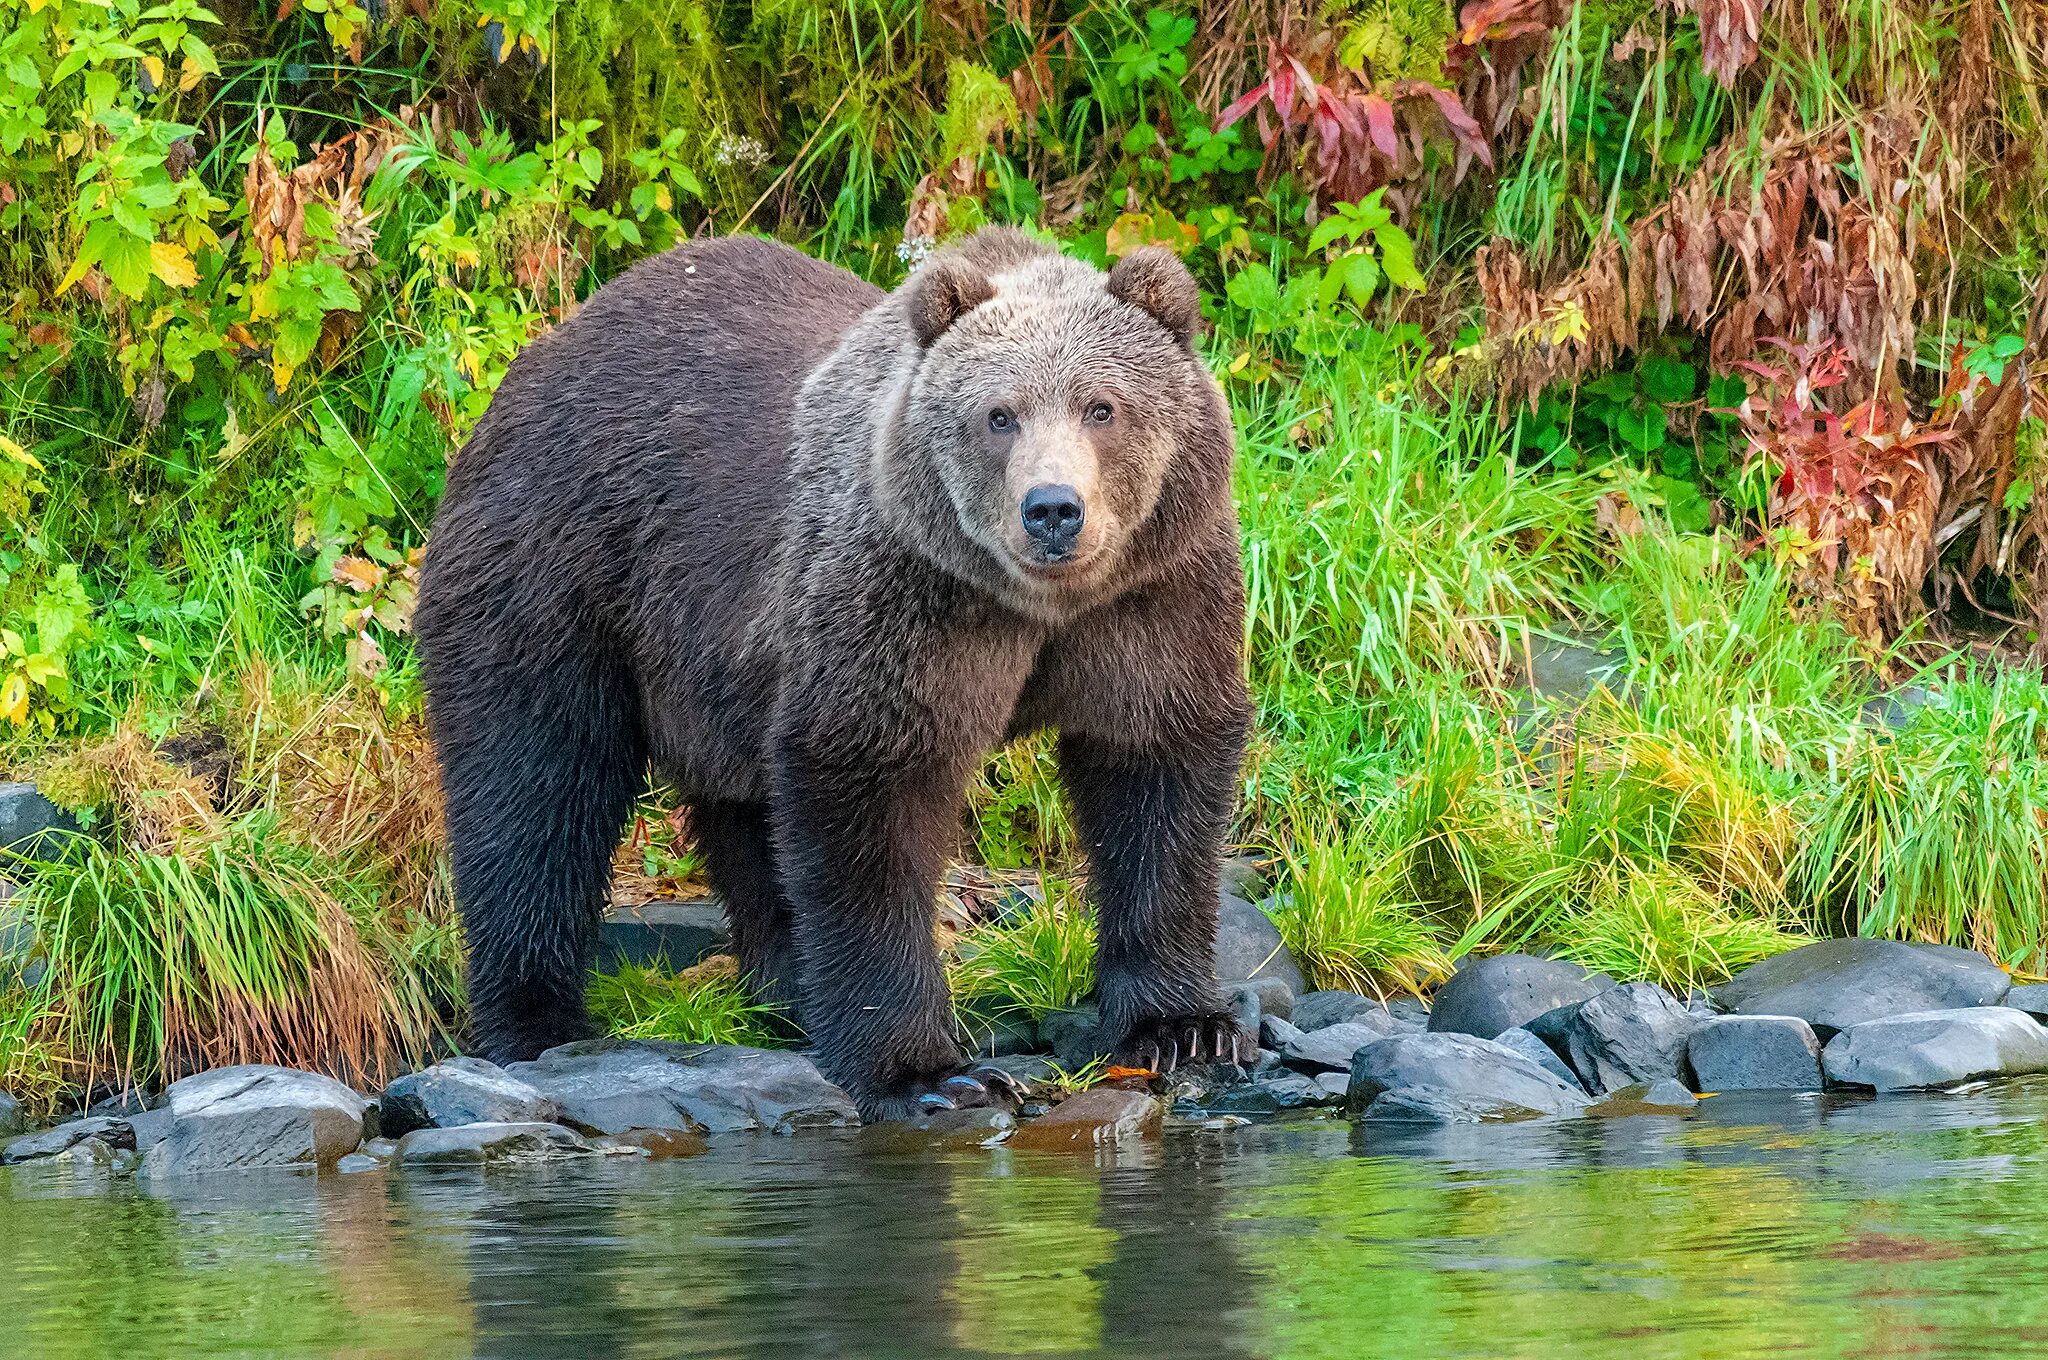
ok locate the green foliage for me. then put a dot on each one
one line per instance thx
(645, 1003)
(1040, 960)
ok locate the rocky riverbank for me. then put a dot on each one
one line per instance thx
(1512, 1037)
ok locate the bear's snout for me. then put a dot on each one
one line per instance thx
(1053, 515)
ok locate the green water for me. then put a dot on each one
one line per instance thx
(1777, 1226)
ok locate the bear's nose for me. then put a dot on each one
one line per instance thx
(1053, 515)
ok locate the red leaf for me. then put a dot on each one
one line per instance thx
(1379, 116)
(1243, 104)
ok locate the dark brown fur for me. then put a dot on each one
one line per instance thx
(664, 544)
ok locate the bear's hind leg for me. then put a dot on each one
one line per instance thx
(539, 772)
(739, 859)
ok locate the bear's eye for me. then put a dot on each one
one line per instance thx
(1001, 421)
(1101, 413)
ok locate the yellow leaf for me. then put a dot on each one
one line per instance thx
(190, 73)
(18, 453)
(171, 263)
(280, 373)
(14, 699)
(155, 67)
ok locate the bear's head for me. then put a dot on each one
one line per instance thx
(1076, 435)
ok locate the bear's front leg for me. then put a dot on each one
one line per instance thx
(860, 837)
(1152, 816)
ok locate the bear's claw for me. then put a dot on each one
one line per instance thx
(975, 1087)
(1163, 1045)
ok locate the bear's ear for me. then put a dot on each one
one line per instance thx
(943, 291)
(1155, 280)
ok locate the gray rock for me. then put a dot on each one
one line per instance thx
(359, 1161)
(1037, 1074)
(1540, 1053)
(1936, 1048)
(661, 933)
(1320, 1010)
(252, 1116)
(456, 1092)
(1667, 1096)
(1072, 1036)
(1488, 996)
(1411, 1016)
(30, 824)
(2031, 997)
(1272, 1095)
(1242, 1001)
(1248, 945)
(1455, 1078)
(495, 1142)
(1835, 984)
(13, 1118)
(1434, 1105)
(1336, 1085)
(1330, 1049)
(611, 1085)
(999, 1036)
(1242, 876)
(50, 1142)
(1277, 1034)
(1271, 995)
(1630, 1035)
(147, 1128)
(1755, 1053)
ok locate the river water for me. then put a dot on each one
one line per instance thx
(1758, 1226)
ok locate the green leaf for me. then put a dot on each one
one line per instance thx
(1644, 429)
(126, 261)
(1667, 380)
(1397, 255)
(1361, 275)
(1328, 231)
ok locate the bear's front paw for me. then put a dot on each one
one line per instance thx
(969, 1088)
(1162, 1044)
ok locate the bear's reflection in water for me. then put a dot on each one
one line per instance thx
(857, 1246)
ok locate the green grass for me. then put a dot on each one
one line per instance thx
(645, 1003)
(1040, 960)
(229, 945)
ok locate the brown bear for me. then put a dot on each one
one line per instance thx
(812, 550)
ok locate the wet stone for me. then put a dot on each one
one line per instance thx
(1248, 945)
(1072, 1035)
(359, 1161)
(1540, 1053)
(1092, 1119)
(31, 824)
(1330, 1048)
(1755, 1053)
(1936, 1048)
(1628, 1035)
(1036, 1073)
(999, 1037)
(253, 1115)
(947, 1129)
(13, 1118)
(1454, 1078)
(611, 1085)
(1250, 1001)
(1277, 1034)
(479, 1144)
(1836, 984)
(1665, 1097)
(460, 1091)
(1320, 1010)
(54, 1141)
(659, 1145)
(1488, 996)
(2031, 998)
(1271, 1095)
